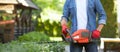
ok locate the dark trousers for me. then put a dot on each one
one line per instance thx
(89, 47)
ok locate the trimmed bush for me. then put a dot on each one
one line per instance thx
(33, 42)
(32, 47)
(34, 37)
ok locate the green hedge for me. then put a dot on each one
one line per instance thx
(34, 37)
(33, 42)
(32, 47)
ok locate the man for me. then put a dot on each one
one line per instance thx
(83, 15)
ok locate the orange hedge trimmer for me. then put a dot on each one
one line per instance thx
(80, 36)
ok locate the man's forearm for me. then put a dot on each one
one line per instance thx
(63, 22)
(100, 26)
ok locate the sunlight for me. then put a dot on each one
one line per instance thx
(50, 14)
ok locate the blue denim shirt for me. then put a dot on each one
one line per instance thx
(93, 7)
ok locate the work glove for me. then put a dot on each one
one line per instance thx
(64, 29)
(96, 34)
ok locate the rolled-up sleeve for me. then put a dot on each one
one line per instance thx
(101, 13)
(66, 11)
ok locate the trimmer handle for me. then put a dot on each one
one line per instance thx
(68, 39)
(71, 38)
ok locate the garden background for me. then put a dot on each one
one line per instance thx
(46, 36)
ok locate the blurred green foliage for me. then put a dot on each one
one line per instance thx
(53, 4)
(34, 37)
(48, 26)
(51, 29)
(16, 46)
(33, 42)
(110, 28)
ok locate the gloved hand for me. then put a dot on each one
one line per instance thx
(96, 34)
(64, 29)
